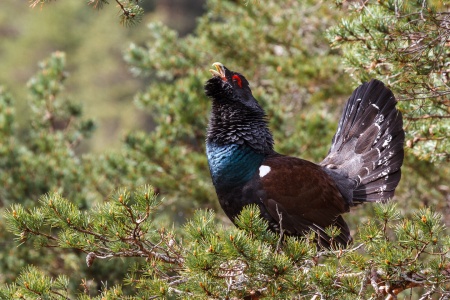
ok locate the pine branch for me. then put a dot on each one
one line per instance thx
(405, 45)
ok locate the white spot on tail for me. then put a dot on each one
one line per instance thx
(359, 179)
(385, 173)
(379, 119)
(368, 171)
(374, 105)
(263, 171)
(387, 141)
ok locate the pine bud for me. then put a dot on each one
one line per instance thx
(90, 258)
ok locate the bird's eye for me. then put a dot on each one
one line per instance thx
(238, 80)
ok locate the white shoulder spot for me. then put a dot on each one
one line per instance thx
(263, 171)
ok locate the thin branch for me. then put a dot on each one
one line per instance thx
(363, 287)
(340, 251)
(122, 7)
(280, 216)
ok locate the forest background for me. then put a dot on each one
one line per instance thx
(110, 107)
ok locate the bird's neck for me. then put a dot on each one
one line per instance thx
(232, 165)
(230, 125)
(237, 141)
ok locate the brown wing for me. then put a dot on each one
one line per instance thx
(304, 194)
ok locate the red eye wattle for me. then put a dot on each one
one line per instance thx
(237, 79)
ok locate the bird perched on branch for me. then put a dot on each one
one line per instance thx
(362, 165)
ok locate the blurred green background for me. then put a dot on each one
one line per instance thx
(150, 110)
(94, 42)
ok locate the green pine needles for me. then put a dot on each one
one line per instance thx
(130, 11)
(64, 236)
(207, 260)
(404, 44)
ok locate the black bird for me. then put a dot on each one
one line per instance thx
(362, 165)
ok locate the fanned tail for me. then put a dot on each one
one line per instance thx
(368, 145)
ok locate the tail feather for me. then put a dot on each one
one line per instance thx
(386, 184)
(368, 145)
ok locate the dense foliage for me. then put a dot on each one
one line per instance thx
(404, 43)
(133, 244)
(208, 260)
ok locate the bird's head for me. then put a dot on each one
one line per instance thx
(236, 117)
(226, 85)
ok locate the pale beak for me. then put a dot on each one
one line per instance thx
(219, 71)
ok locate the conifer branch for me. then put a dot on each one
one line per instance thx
(413, 61)
(281, 232)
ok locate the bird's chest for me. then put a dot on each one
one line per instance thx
(232, 165)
